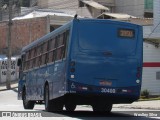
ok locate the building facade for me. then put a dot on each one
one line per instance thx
(84, 8)
(4, 9)
(138, 8)
(151, 57)
(23, 33)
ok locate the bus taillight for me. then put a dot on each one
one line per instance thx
(72, 63)
(72, 70)
(138, 72)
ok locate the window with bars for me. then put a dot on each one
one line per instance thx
(158, 75)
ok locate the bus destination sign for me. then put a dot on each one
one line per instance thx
(128, 33)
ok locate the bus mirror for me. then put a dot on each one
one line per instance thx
(19, 62)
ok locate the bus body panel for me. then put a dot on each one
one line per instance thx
(106, 64)
(106, 68)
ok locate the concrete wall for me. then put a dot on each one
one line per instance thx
(151, 60)
(43, 3)
(131, 7)
(58, 4)
(156, 15)
(107, 2)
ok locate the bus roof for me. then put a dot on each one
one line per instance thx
(49, 35)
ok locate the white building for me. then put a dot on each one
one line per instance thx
(138, 8)
(151, 69)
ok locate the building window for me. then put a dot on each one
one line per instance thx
(81, 4)
(157, 75)
(149, 4)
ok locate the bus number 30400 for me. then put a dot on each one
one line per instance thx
(108, 90)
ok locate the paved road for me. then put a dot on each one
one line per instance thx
(9, 102)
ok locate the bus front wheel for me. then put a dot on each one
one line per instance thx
(27, 104)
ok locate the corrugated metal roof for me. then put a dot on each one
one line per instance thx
(117, 15)
(35, 14)
(95, 4)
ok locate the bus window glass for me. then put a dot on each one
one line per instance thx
(120, 46)
(30, 64)
(43, 59)
(66, 38)
(32, 52)
(27, 55)
(45, 46)
(59, 53)
(52, 44)
(39, 50)
(27, 67)
(34, 62)
(60, 40)
(40, 60)
(50, 57)
(37, 61)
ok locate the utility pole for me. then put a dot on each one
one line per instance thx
(0, 10)
(8, 80)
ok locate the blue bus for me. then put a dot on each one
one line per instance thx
(84, 62)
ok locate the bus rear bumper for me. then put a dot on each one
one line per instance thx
(114, 94)
(87, 99)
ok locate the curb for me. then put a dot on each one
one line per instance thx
(138, 107)
(14, 84)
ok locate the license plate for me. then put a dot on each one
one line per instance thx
(105, 83)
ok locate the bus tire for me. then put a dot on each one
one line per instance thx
(47, 102)
(102, 108)
(54, 105)
(27, 104)
(70, 107)
(58, 104)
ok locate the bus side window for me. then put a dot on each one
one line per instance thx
(51, 49)
(66, 38)
(32, 53)
(60, 40)
(37, 61)
(27, 55)
(64, 47)
(58, 53)
(23, 61)
(38, 55)
(52, 43)
(31, 58)
(27, 66)
(34, 57)
(50, 57)
(44, 51)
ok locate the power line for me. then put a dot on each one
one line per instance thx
(153, 30)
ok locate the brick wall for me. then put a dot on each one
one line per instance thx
(23, 33)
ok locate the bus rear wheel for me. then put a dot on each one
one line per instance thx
(70, 107)
(102, 107)
(27, 104)
(70, 103)
(55, 105)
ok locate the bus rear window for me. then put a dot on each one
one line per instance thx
(103, 37)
